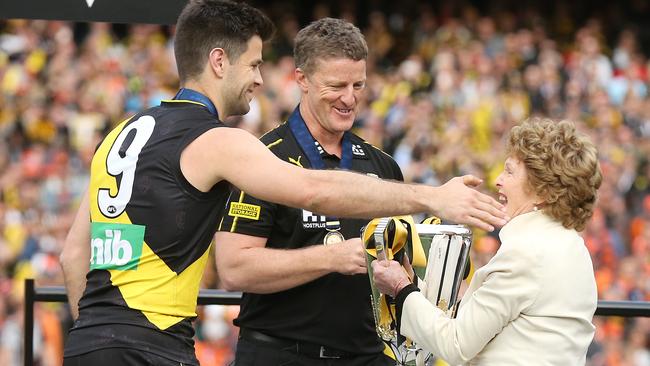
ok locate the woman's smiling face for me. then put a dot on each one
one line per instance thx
(513, 188)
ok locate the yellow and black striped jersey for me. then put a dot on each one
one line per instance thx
(150, 235)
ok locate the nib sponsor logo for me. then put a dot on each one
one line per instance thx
(116, 246)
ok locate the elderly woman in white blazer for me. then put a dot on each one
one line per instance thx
(533, 303)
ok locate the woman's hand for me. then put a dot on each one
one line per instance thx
(389, 277)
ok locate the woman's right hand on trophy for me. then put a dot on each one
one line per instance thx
(389, 277)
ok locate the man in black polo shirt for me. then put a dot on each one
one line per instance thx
(309, 305)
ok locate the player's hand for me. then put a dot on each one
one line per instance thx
(389, 277)
(459, 202)
(349, 257)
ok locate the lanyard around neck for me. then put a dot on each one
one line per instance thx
(308, 143)
(194, 96)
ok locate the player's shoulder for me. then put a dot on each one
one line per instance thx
(388, 167)
(361, 146)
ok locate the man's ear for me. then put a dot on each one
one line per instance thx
(301, 79)
(217, 60)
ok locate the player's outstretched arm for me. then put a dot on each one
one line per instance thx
(235, 155)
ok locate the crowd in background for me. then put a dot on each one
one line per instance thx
(442, 92)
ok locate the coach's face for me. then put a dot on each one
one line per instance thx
(332, 91)
(242, 77)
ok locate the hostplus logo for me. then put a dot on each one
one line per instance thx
(311, 220)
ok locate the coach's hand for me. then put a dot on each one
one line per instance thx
(348, 257)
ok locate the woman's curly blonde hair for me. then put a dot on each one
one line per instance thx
(562, 167)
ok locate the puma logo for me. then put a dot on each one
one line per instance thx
(297, 162)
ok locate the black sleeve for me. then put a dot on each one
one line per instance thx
(397, 171)
(245, 214)
(399, 302)
(388, 166)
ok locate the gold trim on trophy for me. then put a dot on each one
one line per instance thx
(443, 305)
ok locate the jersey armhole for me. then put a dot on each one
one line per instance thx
(176, 164)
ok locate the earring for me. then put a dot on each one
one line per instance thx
(535, 208)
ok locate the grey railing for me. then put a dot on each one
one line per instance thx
(33, 294)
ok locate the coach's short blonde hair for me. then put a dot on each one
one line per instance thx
(328, 38)
(562, 168)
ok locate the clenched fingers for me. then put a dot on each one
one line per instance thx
(351, 257)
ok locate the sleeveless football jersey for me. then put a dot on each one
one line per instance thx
(150, 235)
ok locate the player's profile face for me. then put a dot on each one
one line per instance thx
(243, 77)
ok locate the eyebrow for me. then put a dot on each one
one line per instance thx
(335, 83)
(332, 82)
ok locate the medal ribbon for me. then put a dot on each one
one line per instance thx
(308, 145)
(194, 96)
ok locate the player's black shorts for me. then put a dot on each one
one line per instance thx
(119, 356)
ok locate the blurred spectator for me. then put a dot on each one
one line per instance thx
(444, 85)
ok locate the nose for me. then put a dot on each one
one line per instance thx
(258, 77)
(348, 98)
(499, 181)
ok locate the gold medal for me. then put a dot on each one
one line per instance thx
(333, 237)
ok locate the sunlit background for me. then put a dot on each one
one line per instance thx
(445, 82)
